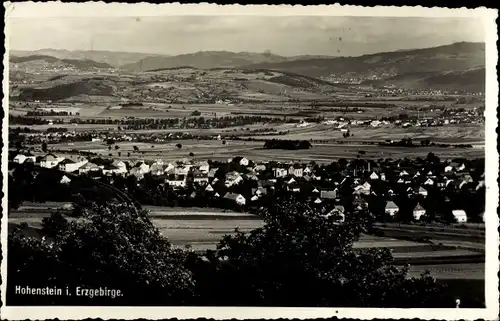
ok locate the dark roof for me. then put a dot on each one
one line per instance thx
(66, 161)
(419, 207)
(391, 204)
(231, 196)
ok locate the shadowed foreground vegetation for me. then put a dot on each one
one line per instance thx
(300, 257)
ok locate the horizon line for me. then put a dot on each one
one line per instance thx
(240, 52)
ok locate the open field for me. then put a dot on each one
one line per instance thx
(473, 271)
(202, 229)
(456, 134)
(215, 150)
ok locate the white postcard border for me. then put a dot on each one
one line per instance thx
(487, 16)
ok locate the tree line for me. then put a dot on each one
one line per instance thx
(287, 144)
(299, 258)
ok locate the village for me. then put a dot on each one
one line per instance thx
(405, 189)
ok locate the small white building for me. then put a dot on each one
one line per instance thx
(374, 176)
(422, 191)
(391, 208)
(418, 212)
(243, 161)
(69, 166)
(178, 181)
(460, 216)
(308, 171)
(238, 198)
(142, 167)
(88, 167)
(20, 158)
(280, 172)
(65, 180)
(204, 167)
(429, 182)
(181, 170)
(50, 160)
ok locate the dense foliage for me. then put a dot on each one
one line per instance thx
(287, 144)
(300, 257)
(113, 247)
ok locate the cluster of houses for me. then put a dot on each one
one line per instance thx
(412, 180)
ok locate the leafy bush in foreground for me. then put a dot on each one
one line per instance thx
(299, 258)
(302, 258)
(111, 247)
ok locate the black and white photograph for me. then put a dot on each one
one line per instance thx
(206, 156)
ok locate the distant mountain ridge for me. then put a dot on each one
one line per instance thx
(206, 60)
(457, 56)
(113, 58)
(78, 63)
(459, 65)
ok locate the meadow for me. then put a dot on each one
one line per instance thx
(216, 150)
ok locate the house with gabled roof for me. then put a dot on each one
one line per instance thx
(391, 208)
(89, 168)
(296, 170)
(65, 180)
(182, 169)
(204, 167)
(422, 191)
(308, 170)
(337, 213)
(69, 166)
(142, 167)
(259, 168)
(237, 198)
(240, 160)
(429, 182)
(157, 169)
(418, 212)
(280, 172)
(50, 160)
(200, 177)
(374, 176)
(21, 158)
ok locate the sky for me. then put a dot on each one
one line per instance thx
(282, 35)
